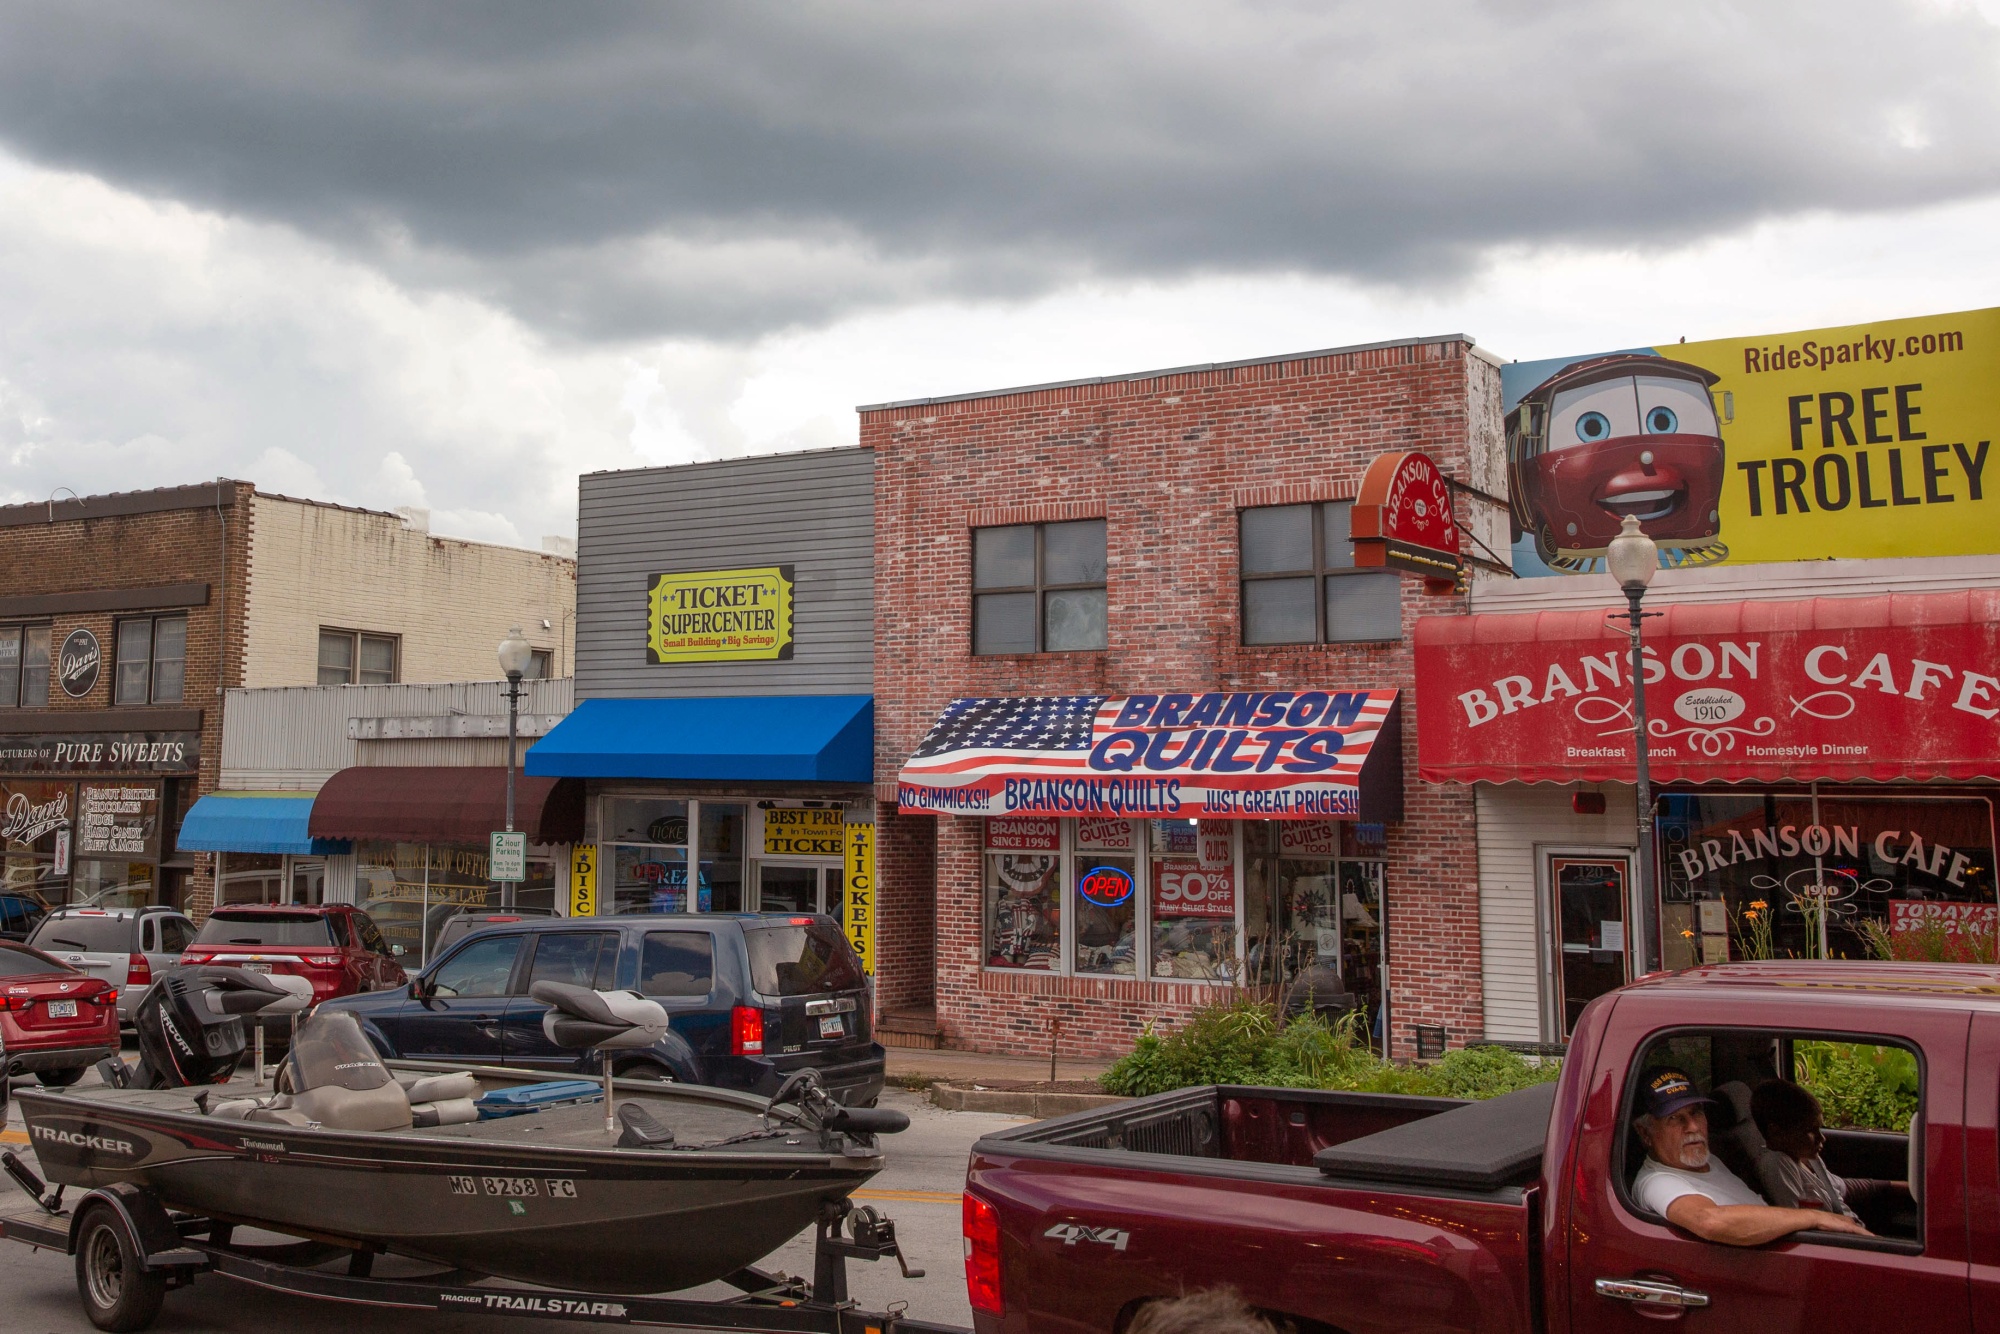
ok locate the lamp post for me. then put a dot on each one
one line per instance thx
(1634, 559)
(515, 654)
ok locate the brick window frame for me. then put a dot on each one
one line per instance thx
(26, 651)
(355, 671)
(1043, 585)
(1330, 560)
(142, 673)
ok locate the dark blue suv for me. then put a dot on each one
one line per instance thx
(753, 998)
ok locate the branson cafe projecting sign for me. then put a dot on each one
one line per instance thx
(1894, 686)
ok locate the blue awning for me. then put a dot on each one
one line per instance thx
(751, 738)
(255, 822)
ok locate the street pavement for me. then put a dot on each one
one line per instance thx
(919, 1189)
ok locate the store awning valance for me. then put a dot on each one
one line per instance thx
(272, 822)
(750, 738)
(1265, 755)
(1895, 686)
(425, 804)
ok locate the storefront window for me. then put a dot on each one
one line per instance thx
(722, 855)
(1024, 910)
(1829, 870)
(649, 857)
(35, 838)
(409, 889)
(103, 883)
(249, 877)
(1107, 913)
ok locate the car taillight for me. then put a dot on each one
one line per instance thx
(139, 971)
(15, 1002)
(982, 1256)
(106, 997)
(746, 1031)
(323, 960)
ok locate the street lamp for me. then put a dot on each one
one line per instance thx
(515, 654)
(1634, 559)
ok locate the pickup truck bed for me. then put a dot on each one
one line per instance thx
(1419, 1211)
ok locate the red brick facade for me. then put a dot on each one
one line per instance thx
(163, 540)
(1167, 460)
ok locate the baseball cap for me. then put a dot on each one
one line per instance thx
(1666, 1090)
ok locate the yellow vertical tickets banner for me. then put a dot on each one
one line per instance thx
(858, 912)
(583, 880)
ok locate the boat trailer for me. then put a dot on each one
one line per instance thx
(131, 1250)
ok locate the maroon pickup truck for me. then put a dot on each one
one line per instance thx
(1360, 1213)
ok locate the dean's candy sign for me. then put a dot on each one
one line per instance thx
(1894, 686)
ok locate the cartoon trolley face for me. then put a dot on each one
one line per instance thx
(1611, 436)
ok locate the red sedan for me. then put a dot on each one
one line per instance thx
(55, 1021)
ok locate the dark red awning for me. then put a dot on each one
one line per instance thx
(1895, 686)
(445, 805)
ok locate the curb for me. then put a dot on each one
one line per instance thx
(1017, 1102)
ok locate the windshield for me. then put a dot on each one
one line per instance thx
(801, 959)
(18, 962)
(242, 928)
(106, 935)
(331, 1051)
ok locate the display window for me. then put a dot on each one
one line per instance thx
(1095, 897)
(409, 889)
(1314, 917)
(1825, 874)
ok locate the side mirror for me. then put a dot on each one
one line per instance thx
(396, 950)
(419, 989)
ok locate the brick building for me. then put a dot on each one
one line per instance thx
(1171, 534)
(124, 617)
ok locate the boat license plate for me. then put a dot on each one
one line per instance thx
(256, 967)
(832, 1026)
(62, 1009)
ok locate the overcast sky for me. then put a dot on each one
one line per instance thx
(451, 255)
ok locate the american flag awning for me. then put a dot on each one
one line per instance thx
(1264, 755)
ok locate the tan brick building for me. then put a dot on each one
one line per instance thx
(1176, 531)
(124, 617)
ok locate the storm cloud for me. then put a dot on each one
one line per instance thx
(619, 172)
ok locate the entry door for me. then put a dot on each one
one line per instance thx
(308, 882)
(800, 889)
(1587, 909)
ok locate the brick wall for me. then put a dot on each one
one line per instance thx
(1167, 460)
(117, 551)
(906, 910)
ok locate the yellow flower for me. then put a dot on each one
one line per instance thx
(1759, 903)
(1687, 935)
(1750, 916)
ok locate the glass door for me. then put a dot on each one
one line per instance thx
(785, 887)
(1588, 912)
(308, 879)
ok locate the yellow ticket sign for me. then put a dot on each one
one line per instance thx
(720, 616)
(858, 910)
(583, 880)
(1863, 441)
(804, 832)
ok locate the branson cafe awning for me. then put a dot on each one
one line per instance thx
(1267, 755)
(1895, 686)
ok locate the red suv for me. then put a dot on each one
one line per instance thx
(335, 946)
(55, 1021)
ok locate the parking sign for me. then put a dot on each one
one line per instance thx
(509, 855)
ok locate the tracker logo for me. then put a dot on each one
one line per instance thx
(76, 1139)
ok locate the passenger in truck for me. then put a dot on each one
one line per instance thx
(1684, 1184)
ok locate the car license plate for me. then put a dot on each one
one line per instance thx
(62, 1009)
(256, 967)
(832, 1026)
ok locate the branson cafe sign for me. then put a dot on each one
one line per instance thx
(1885, 687)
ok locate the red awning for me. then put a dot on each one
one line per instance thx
(445, 805)
(1896, 686)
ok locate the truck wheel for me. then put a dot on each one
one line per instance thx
(645, 1070)
(119, 1293)
(59, 1079)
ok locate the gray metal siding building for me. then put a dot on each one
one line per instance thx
(814, 511)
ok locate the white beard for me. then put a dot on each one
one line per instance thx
(1694, 1157)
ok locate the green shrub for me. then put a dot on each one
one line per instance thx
(1243, 1042)
(1860, 1086)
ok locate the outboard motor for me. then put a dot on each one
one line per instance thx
(191, 1027)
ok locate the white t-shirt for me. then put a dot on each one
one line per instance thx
(1658, 1186)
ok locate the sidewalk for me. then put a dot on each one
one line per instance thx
(968, 1067)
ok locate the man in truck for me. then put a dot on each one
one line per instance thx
(1696, 1192)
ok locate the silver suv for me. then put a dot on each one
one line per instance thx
(127, 947)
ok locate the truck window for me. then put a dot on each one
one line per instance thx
(1803, 1120)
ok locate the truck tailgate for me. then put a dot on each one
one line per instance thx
(1089, 1232)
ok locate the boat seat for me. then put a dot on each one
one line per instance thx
(580, 1017)
(439, 1088)
(337, 1108)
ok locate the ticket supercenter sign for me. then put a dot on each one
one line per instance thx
(720, 616)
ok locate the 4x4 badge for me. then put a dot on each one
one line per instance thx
(1069, 1234)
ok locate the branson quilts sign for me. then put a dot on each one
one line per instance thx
(1887, 687)
(1276, 754)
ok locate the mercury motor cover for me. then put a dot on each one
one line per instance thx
(191, 1028)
